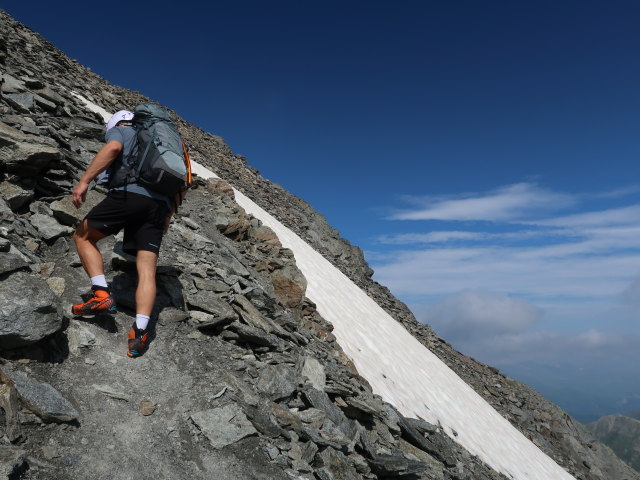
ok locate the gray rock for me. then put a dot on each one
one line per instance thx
(28, 159)
(210, 285)
(335, 466)
(11, 460)
(12, 84)
(30, 129)
(30, 316)
(57, 285)
(289, 285)
(10, 262)
(321, 401)
(15, 196)
(172, 315)
(253, 335)
(39, 397)
(190, 223)
(224, 425)
(33, 83)
(48, 228)
(50, 95)
(277, 382)
(213, 304)
(84, 129)
(5, 245)
(314, 371)
(80, 337)
(67, 214)
(10, 136)
(6, 213)
(205, 320)
(395, 466)
(23, 102)
(44, 103)
(251, 315)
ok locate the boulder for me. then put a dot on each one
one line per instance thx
(50, 95)
(23, 102)
(67, 214)
(15, 196)
(205, 320)
(11, 84)
(224, 425)
(314, 371)
(254, 336)
(277, 382)
(212, 304)
(289, 285)
(30, 315)
(11, 460)
(10, 262)
(335, 466)
(28, 159)
(39, 397)
(48, 228)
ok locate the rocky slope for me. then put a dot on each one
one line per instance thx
(237, 342)
(622, 434)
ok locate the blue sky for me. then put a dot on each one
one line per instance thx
(483, 154)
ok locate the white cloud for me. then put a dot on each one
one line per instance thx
(616, 216)
(446, 236)
(509, 203)
(471, 313)
(631, 295)
(619, 192)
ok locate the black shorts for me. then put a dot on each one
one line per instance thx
(141, 217)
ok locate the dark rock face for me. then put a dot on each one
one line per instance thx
(244, 378)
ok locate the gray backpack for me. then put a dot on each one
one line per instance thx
(163, 161)
(160, 159)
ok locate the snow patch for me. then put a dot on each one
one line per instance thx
(93, 107)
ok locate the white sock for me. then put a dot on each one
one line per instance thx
(142, 321)
(99, 280)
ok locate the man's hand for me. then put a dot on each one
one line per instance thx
(79, 194)
(103, 159)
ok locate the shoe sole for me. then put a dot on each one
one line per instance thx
(112, 309)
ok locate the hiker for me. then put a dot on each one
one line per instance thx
(142, 212)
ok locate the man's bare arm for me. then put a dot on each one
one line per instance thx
(103, 159)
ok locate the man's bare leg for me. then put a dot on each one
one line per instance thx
(139, 336)
(146, 292)
(86, 239)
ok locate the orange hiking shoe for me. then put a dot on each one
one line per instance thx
(100, 302)
(138, 341)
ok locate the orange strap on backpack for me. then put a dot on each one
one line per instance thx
(187, 162)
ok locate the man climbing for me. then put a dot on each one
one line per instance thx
(143, 213)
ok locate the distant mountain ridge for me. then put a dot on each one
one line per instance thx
(621, 433)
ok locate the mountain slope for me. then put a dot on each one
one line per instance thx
(36, 67)
(622, 434)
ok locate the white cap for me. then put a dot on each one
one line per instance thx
(118, 117)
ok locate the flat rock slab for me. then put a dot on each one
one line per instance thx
(314, 371)
(40, 397)
(224, 425)
(47, 227)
